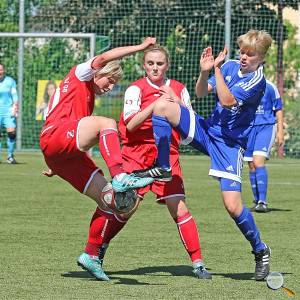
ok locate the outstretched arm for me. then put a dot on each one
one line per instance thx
(206, 64)
(117, 53)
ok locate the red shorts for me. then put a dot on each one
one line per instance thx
(142, 157)
(59, 146)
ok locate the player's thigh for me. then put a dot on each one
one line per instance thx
(226, 161)
(191, 128)
(9, 123)
(59, 142)
(89, 129)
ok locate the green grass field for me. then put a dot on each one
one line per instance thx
(44, 225)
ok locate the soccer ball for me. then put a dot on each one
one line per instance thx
(120, 202)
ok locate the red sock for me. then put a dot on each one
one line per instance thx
(189, 236)
(103, 228)
(110, 149)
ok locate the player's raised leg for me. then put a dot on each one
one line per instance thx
(106, 135)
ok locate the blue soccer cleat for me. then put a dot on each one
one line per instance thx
(92, 265)
(129, 181)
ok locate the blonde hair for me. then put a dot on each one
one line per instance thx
(112, 68)
(157, 47)
(257, 40)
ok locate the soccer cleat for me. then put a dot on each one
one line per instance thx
(157, 173)
(11, 160)
(129, 182)
(201, 272)
(261, 207)
(92, 265)
(262, 260)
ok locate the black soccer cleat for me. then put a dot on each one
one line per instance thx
(262, 260)
(157, 173)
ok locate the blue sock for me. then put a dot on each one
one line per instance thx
(262, 183)
(162, 131)
(246, 224)
(10, 146)
(252, 177)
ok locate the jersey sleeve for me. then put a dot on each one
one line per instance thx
(84, 71)
(132, 102)
(13, 91)
(276, 99)
(245, 90)
(186, 99)
(224, 70)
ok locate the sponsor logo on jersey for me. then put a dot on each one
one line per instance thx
(70, 134)
(264, 149)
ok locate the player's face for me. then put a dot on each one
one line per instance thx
(156, 66)
(250, 60)
(103, 84)
(2, 72)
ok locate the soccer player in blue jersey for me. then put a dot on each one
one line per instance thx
(8, 111)
(261, 139)
(239, 87)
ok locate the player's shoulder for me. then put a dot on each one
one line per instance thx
(174, 82)
(140, 83)
(231, 63)
(9, 79)
(270, 85)
(272, 88)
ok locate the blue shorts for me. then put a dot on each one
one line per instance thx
(260, 141)
(7, 122)
(226, 160)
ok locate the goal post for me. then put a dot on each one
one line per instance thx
(20, 77)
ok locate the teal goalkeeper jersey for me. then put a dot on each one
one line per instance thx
(8, 95)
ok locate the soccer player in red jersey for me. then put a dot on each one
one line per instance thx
(139, 152)
(70, 131)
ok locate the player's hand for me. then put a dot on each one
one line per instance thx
(168, 94)
(48, 173)
(207, 59)
(220, 58)
(148, 42)
(14, 110)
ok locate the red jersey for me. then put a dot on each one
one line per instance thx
(138, 96)
(75, 97)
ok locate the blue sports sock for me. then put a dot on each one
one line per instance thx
(162, 131)
(252, 177)
(262, 183)
(10, 146)
(246, 224)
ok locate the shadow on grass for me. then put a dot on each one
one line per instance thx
(241, 276)
(270, 209)
(151, 271)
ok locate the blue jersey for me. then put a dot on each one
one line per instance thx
(232, 125)
(269, 104)
(8, 95)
